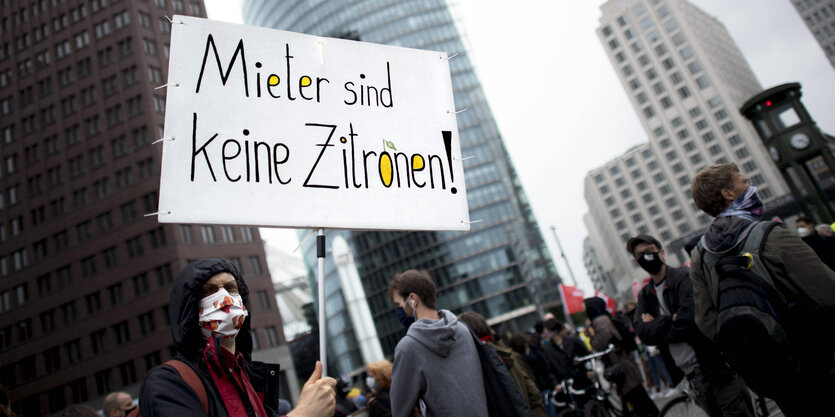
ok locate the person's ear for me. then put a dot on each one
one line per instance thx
(661, 255)
(728, 194)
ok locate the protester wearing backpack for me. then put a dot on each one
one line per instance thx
(665, 317)
(764, 295)
(213, 374)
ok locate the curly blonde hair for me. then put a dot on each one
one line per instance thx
(381, 372)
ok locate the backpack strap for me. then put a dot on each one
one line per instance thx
(754, 244)
(710, 258)
(193, 381)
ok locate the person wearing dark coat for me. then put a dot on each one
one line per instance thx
(560, 352)
(514, 362)
(210, 325)
(603, 332)
(665, 317)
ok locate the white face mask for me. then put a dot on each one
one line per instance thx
(371, 382)
(222, 313)
(803, 231)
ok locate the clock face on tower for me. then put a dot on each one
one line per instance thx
(799, 141)
(774, 154)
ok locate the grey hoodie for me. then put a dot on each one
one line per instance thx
(437, 361)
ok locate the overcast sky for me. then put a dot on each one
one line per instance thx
(563, 112)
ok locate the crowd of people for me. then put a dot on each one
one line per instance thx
(737, 319)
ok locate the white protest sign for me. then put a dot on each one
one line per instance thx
(274, 128)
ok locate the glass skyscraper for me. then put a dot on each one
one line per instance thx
(501, 268)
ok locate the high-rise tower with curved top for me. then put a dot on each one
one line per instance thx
(501, 268)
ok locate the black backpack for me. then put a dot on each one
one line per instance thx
(751, 313)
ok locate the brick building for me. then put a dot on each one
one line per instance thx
(84, 275)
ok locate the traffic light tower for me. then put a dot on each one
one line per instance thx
(802, 153)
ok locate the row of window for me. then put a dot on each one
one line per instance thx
(55, 177)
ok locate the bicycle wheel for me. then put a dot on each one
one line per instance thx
(595, 408)
(682, 406)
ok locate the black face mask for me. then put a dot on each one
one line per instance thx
(650, 262)
(405, 319)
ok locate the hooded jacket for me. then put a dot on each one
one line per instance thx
(797, 273)
(437, 362)
(163, 391)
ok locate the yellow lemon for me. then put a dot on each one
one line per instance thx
(385, 169)
(417, 162)
(273, 80)
(305, 81)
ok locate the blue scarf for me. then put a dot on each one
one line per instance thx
(748, 206)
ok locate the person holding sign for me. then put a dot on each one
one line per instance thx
(213, 374)
(436, 366)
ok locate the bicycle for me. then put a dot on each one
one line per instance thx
(579, 402)
(604, 390)
(591, 401)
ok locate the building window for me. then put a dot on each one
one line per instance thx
(185, 233)
(93, 301)
(228, 234)
(263, 300)
(658, 88)
(140, 283)
(122, 332)
(271, 336)
(676, 78)
(728, 127)
(255, 265)
(208, 233)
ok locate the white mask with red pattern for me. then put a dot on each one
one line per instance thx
(222, 313)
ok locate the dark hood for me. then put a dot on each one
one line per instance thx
(595, 307)
(186, 292)
(724, 233)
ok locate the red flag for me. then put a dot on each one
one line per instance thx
(572, 298)
(610, 302)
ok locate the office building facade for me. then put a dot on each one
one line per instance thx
(685, 78)
(501, 268)
(84, 275)
(819, 17)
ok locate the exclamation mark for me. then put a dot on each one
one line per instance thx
(448, 147)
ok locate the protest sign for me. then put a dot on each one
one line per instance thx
(274, 128)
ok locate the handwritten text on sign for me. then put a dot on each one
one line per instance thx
(274, 128)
